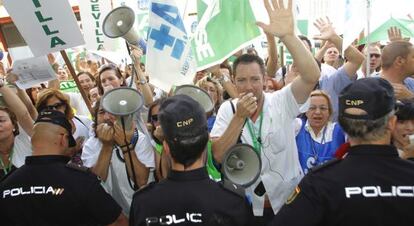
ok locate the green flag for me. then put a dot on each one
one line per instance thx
(224, 27)
(380, 34)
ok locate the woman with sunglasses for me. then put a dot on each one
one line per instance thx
(153, 125)
(16, 127)
(56, 100)
(317, 137)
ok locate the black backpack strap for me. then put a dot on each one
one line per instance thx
(234, 112)
(77, 118)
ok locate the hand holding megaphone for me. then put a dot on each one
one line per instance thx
(105, 134)
(247, 105)
(120, 136)
(136, 53)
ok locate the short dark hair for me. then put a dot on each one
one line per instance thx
(187, 151)
(405, 110)
(248, 59)
(95, 111)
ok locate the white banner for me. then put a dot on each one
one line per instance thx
(355, 20)
(46, 25)
(169, 58)
(92, 14)
(33, 71)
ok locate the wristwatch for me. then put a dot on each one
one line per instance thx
(142, 81)
(223, 78)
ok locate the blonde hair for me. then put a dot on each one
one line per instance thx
(321, 93)
(203, 82)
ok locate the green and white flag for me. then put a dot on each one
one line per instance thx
(225, 26)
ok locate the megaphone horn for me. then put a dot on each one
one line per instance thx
(122, 102)
(120, 23)
(242, 165)
(197, 94)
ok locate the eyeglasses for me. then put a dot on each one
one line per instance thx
(321, 108)
(55, 106)
(154, 118)
(376, 55)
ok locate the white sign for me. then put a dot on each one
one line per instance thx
(33, 71)
(92, 14)
(46, 25)
(169, 45)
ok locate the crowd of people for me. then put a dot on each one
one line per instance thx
(334, 133)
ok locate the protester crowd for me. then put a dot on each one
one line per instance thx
(305, 120)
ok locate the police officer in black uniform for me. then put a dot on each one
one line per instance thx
(371, 185)
(47, 191)
(187, 196)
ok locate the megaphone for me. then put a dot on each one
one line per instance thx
(242, 165)
(197, 94)
(122, 102)
(120, 23)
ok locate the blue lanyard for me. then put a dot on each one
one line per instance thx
(316, 152)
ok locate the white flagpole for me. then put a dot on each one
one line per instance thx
(368, 57)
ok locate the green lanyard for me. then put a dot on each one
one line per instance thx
(211, 168)
(7, 169)
(257, 141)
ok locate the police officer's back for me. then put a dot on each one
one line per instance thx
(47, 191)
(371, 185)
(187, 196)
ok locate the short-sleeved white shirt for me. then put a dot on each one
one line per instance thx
(117, 182)
(281, 170)
(77, 102)
(22, 148)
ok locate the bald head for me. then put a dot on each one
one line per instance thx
(49, 138)
(392, 51)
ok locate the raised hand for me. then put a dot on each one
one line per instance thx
(51, 58)
(325, 28)
(394, 34)
(280, 19)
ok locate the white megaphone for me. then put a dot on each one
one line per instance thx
(120, 23)
(122, 102)
(241, 165)
(197, 94)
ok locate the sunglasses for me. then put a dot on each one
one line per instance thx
(376, 55)
(55, 106)
(154, 118)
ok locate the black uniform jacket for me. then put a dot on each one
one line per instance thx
(370, 186)
(47, 191)
(189, 198)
